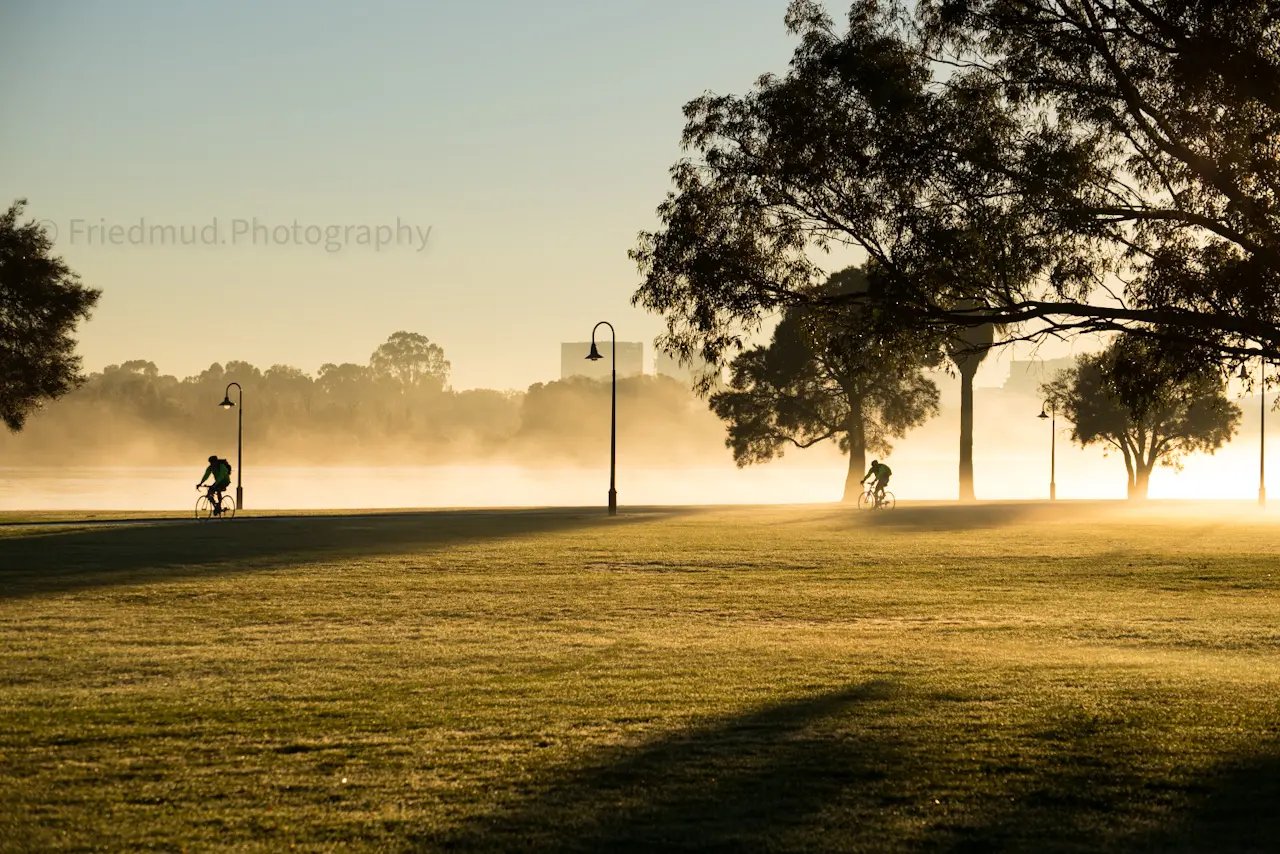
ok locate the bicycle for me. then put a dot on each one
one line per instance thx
(868, 500)
(225, 509)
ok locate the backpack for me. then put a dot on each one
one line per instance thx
(227, 464)
(885, 471)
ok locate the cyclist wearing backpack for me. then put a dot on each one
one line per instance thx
(221, 472)
(881, 473)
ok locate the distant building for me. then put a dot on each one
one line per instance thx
(667, 365)
(574, 362)
(1026, 377)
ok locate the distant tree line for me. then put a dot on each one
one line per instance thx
(396, 408)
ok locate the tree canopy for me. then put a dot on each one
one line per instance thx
(838, 373)
(1135, 399)
(41, 303)
(1162, 121)
(1056, 167)
(410, 361)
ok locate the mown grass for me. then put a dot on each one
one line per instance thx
(1022, 677)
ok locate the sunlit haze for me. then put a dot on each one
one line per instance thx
(475, 173)
(533, 140)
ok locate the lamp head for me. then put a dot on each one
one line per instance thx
(1043, 416)
(1244, 374)
(594, 355)
(226, 402)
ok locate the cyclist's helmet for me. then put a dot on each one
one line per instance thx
(213, 459)
(875, 462)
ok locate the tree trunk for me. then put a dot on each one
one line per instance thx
(968, 350)
(967, 373)
(857, 452)
(1139, 483)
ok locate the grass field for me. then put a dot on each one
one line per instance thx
(1015, 677)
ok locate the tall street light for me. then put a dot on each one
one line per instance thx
(1262, 433)
(595, 356)
(227, 404)
(1052, 417)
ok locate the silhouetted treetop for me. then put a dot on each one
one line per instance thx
(1134, 399)
(830, 372)
(1057, 167)
(411, 361)
(41, 302)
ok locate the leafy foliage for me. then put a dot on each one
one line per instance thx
(834, 372)
(1135, 399)
(410, 361)
(857, 146)
(1177, 106)
(41, 302)
(1056, 167)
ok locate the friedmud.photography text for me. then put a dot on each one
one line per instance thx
(332, 237)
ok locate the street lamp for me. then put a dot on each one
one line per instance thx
(595, 356)
(1052, 417)
(227, 404)
(1262, 434)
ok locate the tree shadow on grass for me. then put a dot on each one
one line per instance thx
(1237, 810)
(731, 786)
(837, 772)
(1086, 803)
(52, 560)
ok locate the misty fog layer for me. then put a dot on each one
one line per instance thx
(131, 415)
(133, 438)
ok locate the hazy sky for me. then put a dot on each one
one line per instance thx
(532, 140)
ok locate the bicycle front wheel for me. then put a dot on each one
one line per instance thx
(866, 501)
(204, 507)
(886, 503)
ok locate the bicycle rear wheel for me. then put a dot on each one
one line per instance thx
(887, 502)
(228, 506)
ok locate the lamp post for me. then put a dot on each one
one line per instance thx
(227, 404)
(1052, 417)
(1262, 433)
(595, 356)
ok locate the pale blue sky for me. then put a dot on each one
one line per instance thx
(533, 138)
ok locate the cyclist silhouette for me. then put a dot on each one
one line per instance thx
(221, 472)
(881, 473)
